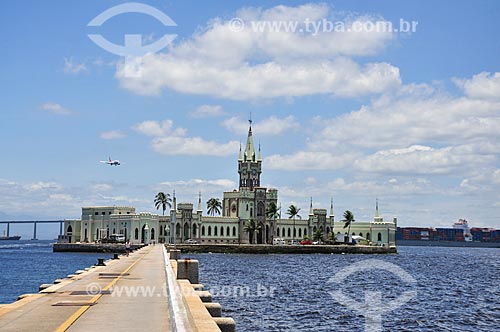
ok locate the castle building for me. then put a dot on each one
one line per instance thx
(245, 217)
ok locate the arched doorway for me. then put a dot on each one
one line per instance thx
(136, 234)
(144, 234)
(186, 231)
(195, 229)
(69, 232)
(152, 233)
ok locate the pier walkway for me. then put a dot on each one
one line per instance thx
(138, 300)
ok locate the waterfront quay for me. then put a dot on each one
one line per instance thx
(144, 291)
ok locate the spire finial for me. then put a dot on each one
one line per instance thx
(311, 207)
(250, 119)
(376, 207)
(199, 202)
(331, 207)
(260, 155)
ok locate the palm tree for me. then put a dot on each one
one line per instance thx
(273, 211)
(318, 235)
(163, 200)
(293, 212)
(348, 220)
(252, 228)
(213, 206)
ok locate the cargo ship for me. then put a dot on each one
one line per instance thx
(458, 236)
(6, 237)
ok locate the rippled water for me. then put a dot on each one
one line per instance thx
(25, 264)
(458, 289)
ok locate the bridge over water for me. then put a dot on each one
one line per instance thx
(34, 222)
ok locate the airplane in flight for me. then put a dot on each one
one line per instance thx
(111, 162)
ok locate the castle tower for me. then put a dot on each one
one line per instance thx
(249, 166)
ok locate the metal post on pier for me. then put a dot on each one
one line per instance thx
(8, 229)
(34, 231)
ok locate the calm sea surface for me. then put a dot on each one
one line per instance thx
(458, 289)
(26, 264)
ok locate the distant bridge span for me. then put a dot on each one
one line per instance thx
(34, 222)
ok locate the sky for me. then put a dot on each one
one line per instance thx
(411, 117)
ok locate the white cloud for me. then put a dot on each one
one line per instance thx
(101, 187)
(253, 64)
(113, 134)
(56, 108)
(482, 86)
(37, 186)
(170, 141)
(70, 67)
(207, 111)
(270, 126)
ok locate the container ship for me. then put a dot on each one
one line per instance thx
(460, 235)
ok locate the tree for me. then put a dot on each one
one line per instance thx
(213, 206)
(252, 228)
(163, 200)
(273, 211)
(318, 235)
(348, 220)
(293, 212)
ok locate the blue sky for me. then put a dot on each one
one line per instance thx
(410, 118)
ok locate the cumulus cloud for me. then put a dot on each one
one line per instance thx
(482, 86)
(175, 141)
(113, 134)
(272, 125)
(207, 111)
(263, 63)
(56, 108)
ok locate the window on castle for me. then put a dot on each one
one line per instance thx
(215, 231)
(247, 206)
(300, 232)
(379, 237)
(202, 230)
(227, 231)
(251, 212)
(234, 230)
(221, 231)
(209, 230)
(289, 232)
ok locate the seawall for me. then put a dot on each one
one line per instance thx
(93, 247)
(284, 249)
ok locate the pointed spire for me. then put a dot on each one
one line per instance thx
(199, 202)
(331, 208)
(249, 149)
(240, 157)
(259, 158)
(376, 208)
(311, 208)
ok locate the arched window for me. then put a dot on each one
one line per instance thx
(234, 230)
(136, 233)
(247, 206)
(209, 230)
(328, 230)
(294, 232)
(289, 232)
(251, 212)
(70, 229)
(227, 231)
(368, 236)
(114, 230)
(195, 229)
(300, 232)
(305, 231)
(202, 230)
(260, 209)
(360, 234)
(278, 231)
(283, 232)
(379, 237)
(215, 230)
(353, 233)
(221, 231)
